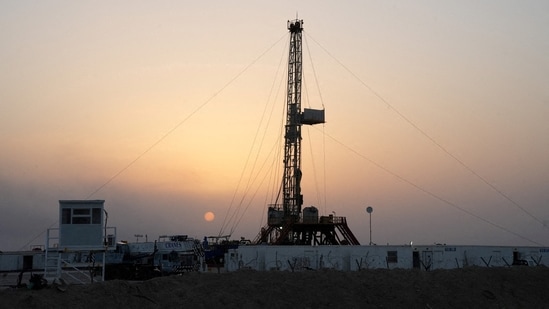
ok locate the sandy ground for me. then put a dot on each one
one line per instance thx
(517, 287)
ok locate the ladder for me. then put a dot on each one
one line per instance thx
(52, 257)
(59, 267)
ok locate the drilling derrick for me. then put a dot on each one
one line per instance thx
(286, 223)
(292, 198)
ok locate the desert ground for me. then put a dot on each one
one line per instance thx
(514, 287)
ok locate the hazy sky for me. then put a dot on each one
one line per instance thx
(436, 116)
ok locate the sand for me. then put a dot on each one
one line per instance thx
(516, 287)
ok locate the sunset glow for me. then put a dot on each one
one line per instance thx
(436, 116)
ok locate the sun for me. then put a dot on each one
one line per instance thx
(209, 216)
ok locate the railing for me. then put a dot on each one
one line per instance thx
(55, 265)
(332, 220)
(74, 268)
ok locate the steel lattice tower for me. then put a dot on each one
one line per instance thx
(286, 223)
(292, 198)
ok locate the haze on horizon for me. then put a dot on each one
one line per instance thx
(171, 110)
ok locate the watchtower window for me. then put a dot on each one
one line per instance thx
(81, 220)
(66, 216)
(81, 216)
(96, 215)
(81, 212)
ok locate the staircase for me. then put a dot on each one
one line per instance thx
(52, 257)
(58, 267)
(344, 229)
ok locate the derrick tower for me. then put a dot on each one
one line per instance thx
(291, 182)
(287, 223)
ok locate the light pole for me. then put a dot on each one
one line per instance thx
(369, 210)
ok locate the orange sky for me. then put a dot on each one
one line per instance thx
(140, 101)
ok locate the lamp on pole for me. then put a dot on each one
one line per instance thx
(369, 210)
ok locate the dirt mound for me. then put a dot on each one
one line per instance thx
(518, 287)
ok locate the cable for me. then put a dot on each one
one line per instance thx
(431, 139)
(225, 221)
(185, 119)
(314, 72)
(323, 125)
(35, 237)
(171, 130)
(429, 192)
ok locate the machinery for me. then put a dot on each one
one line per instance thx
(174, 254)
(287, 223)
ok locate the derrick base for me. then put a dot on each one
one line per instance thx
(308, 229)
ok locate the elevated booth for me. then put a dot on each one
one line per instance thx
(81, 225)
(81, 241)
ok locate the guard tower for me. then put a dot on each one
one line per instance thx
(81, 224)
(287, 224)
(80, 243)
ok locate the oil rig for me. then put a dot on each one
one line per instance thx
(288, 223)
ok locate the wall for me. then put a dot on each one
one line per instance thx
(355, 258)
